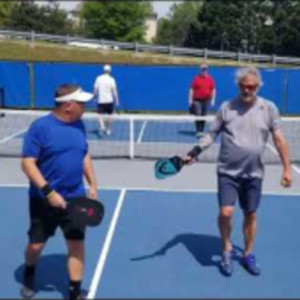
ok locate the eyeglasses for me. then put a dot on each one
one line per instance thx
(250, 87)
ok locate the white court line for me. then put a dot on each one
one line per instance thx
(140, 137)
(105, 249)
(275, 151)
(159, 189)
(10, 137)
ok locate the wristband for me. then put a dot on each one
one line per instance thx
(195, 152)
(47, 190)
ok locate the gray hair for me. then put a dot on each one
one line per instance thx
(241, 73)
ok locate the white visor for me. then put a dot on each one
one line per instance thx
(79, 96)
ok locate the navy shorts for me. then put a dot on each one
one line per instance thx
(106, 108)
(248, 191)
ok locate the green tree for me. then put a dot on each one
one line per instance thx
(5, 11)
(175, 28)
(268, 26)
(29, 16)
(122, 20)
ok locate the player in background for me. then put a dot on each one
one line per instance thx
(106, 94)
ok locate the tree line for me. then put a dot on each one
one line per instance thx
(264, 26)
(121, 20)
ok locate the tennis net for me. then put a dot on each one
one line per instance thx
(139, 136)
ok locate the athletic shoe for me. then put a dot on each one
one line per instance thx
(27, 291)
(250, 264)
(226, 265)
(108, 132)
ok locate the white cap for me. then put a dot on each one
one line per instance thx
(107, 68)
(79, 95)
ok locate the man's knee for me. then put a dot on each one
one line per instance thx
(226, 212)
(250, 216)
(35, 248)
(75, 247)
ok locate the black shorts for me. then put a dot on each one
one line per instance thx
(44, 221)
(248, 191)
(106, 108)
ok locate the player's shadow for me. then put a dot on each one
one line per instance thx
(187, 132)
(51, 275)
(206, 249)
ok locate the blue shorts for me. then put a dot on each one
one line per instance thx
(248, 191)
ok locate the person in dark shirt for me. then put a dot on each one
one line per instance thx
(55, 159)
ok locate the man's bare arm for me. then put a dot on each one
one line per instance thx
(90, 176)
(282, 148)
(33, 173)
(31, 170)
(191, 94)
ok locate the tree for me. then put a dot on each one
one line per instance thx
(121, 21)
(5, 11)
(268, 26)
(175, 28)
(29, 16)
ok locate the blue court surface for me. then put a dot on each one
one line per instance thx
(158, 244)
(146, 131)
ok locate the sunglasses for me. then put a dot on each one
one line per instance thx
(249, 87)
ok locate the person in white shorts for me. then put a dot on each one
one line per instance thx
(106, 94)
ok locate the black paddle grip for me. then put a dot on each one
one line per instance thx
(194, 153)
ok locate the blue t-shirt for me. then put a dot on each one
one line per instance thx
(60, 149)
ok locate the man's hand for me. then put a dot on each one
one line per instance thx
(93, 192)
(189, 160)
(57, 201)
(286, 180)
(212, 102)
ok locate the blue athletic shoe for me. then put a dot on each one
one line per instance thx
(250, 264)
(226, 265)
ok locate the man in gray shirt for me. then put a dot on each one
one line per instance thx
(244, 124)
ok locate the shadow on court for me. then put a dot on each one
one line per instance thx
(206, 249)
(51, 274)
(187, 132)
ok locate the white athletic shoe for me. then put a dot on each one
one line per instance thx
(108, 132)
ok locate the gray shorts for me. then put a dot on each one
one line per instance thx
(248, 191)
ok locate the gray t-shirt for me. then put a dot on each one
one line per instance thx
(244, 135)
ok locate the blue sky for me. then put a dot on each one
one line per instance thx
(160, 7)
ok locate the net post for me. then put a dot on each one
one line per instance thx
(131, 138)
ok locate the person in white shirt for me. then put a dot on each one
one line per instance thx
(106, 94)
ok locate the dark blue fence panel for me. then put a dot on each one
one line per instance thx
(15, 84)
(293, 104)
(49, 76)
(273, 86)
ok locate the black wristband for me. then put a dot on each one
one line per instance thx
(195, 152)
(46, 190)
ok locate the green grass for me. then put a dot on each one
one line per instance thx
(45, 51)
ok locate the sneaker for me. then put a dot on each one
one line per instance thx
(226, 265)
(108, 132)
(250, 264)
(27, 291)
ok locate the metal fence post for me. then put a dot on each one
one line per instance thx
(136, 47)
(205, 54)
(31, 84)
(32, 36)
(170, 50)
(239, 56)
(274, 59)
(131, 138)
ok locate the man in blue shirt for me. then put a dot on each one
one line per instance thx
(55, 159)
